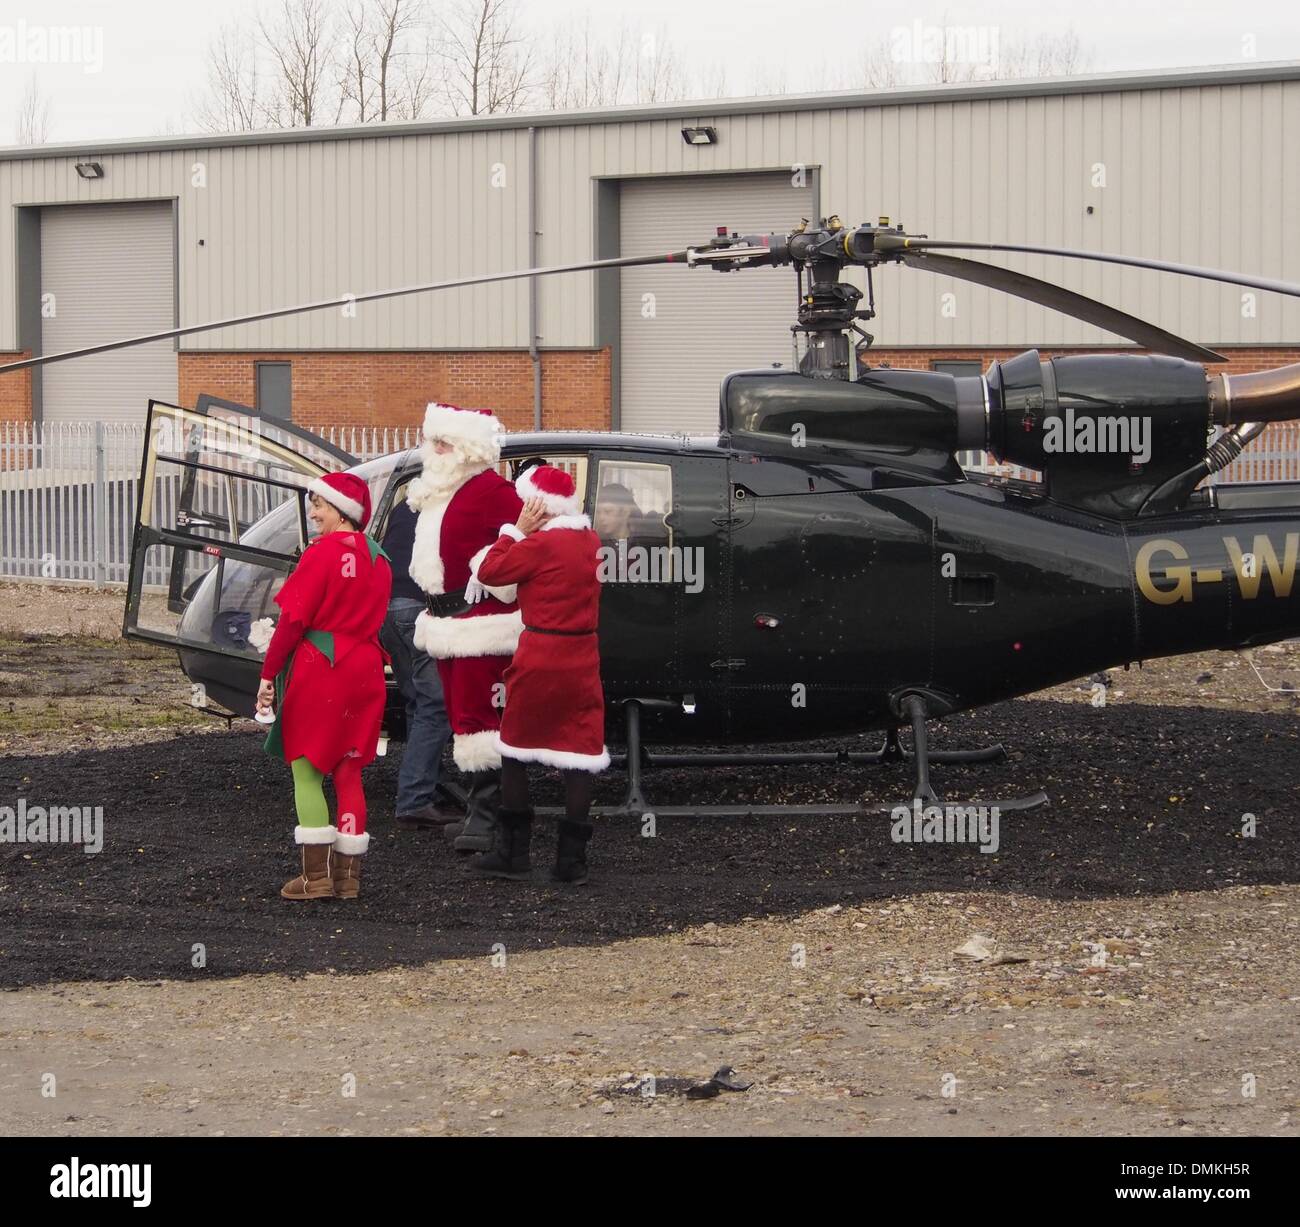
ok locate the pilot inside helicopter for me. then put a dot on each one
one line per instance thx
(618, 517)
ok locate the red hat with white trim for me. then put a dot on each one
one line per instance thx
(553, 486)
(475, 433)
(347, 493)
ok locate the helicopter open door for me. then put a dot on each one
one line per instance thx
(221, 521)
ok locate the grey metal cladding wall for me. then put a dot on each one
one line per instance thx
(312, 221)
(1205, 174)
(107, 267)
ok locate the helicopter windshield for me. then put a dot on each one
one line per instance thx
(235, 594)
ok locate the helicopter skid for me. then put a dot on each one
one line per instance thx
(871, 809)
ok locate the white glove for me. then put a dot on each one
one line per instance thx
(474, 592)
(259, 634)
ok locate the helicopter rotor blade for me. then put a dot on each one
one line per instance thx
(676, 257)
(1065, 301)
(892, 243)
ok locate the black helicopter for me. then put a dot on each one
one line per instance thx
(823, 564)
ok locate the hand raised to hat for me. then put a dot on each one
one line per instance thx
(532, 517)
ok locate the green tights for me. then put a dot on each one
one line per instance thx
(309, 795)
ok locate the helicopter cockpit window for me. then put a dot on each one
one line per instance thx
(633, 501)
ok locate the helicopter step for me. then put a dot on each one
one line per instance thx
(636, 805)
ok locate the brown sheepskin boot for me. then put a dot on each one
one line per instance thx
(315, 881)
(348, 851)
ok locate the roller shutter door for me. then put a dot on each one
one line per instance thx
(112, 271)
(704, 323)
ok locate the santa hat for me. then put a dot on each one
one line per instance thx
(346, 492)
(474, 433)
(553, 486)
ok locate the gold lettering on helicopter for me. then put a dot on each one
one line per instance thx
(1263, 558)
(1182, 576)
(1249, 569)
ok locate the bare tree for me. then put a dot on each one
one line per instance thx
(659, 76)
(299, 46)
(32, 126)
(377, 75)
(1048, 55)
(582, 70)
(487, 62)
(235, 99)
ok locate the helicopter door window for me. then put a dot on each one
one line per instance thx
(574, 466)
(633, 501)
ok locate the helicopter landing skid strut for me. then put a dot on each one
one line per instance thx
(637, 758)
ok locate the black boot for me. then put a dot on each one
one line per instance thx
(483, 799)
(509, 855)
(571, 853)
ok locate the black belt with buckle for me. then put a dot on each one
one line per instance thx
(447, 604)
(550, 630)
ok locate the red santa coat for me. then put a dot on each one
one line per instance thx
(473, 648)
(330, 711)
(555, 705)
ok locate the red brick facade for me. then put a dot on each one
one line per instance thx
(370, 388)
(15, 391)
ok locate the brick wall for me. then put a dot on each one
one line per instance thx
(392, 389)
(15, 391)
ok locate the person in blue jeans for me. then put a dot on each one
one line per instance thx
(416, 674)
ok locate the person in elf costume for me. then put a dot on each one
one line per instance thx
(325, 667)
(555, 705)
(470, 629)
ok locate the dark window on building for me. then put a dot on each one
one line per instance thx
(959, 367)
(275, 390)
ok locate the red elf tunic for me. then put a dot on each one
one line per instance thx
(555, 705)
(329, 711)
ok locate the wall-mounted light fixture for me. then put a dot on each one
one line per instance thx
(90, 170)
(700, 136)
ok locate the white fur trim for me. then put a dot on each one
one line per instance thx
(475, 635)
(556, 504)
(348, 506)
(426, 549)
(565, 759)
(575, 521)
(475, 751)
(510, 530)
(315, 835)
(507, 594)
(476, 436)
(352, 845)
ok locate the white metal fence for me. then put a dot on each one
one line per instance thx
(68, 495)
(68, 491)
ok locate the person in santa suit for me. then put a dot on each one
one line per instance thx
(555, 705)
(469, 628)
(326, 666)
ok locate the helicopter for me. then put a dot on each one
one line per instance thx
(823, 565)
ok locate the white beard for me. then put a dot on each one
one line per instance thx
(429, 494)
(442, 476)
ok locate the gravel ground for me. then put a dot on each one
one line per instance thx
(1141, 975)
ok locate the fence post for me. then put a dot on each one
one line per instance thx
(99, 531)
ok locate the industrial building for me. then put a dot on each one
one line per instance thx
(125, 238)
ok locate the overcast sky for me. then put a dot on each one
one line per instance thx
(145, 59)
